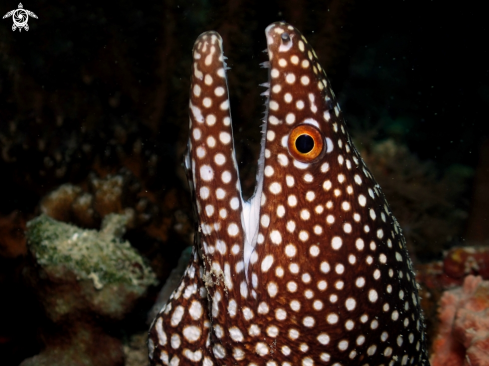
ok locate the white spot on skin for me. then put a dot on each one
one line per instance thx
(343, 345)
(362, 200)
(225, 137)
(290, 226)
(191, 333)
(280, 211)
(209, 209)
(323, 338)
(329, 145)
(206, 173)
(290, 180)
(308, 321)
(234, 203)
(372, 295)
(219, 91)
(292, 200)
(350, 304)
(292, 287)
(220, 193)
(211, 141)
(204, 193)
(236, 334)
(325, 268)
(219, 159)
(282, 159)
(305, 215)
(275, 237)
(207, 102)
(290, 118)
(175, 341)
(290, 78)
(267, 263)
(290, 250)
(336, 242)
(233, 229)
(275, 188)
(293, 334)
(208, 80)
(226, 176)
(360, 282)
(280, 314)
(314, 250)
(303, 235)
(224, 105)
(332, 318)
(177, 315)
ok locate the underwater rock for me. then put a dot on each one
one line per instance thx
(85, 280)
(463, 334)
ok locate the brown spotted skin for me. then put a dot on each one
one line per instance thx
(314, 270)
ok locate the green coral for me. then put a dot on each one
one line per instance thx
(101, 256)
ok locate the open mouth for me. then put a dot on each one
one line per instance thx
(211, 157)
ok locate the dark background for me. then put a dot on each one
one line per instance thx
(93, 89)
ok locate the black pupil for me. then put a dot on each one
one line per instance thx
(304, 144)
(285, 37)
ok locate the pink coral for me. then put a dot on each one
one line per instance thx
(463, 334)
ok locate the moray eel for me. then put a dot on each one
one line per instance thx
(313, 269)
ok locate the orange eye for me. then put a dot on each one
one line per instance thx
(305, 143)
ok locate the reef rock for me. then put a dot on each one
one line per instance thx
(85, 281)
(463, 333)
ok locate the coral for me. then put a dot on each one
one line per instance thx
(118, 193)
(463, 334)
(84, 281)
(437, 276)
(427, 206)
(460, 262)
(456, 265)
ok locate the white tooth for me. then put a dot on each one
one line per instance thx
(265, 85)
(265, 65)
(266, 93)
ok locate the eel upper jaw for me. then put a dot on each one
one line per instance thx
(251, 208)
